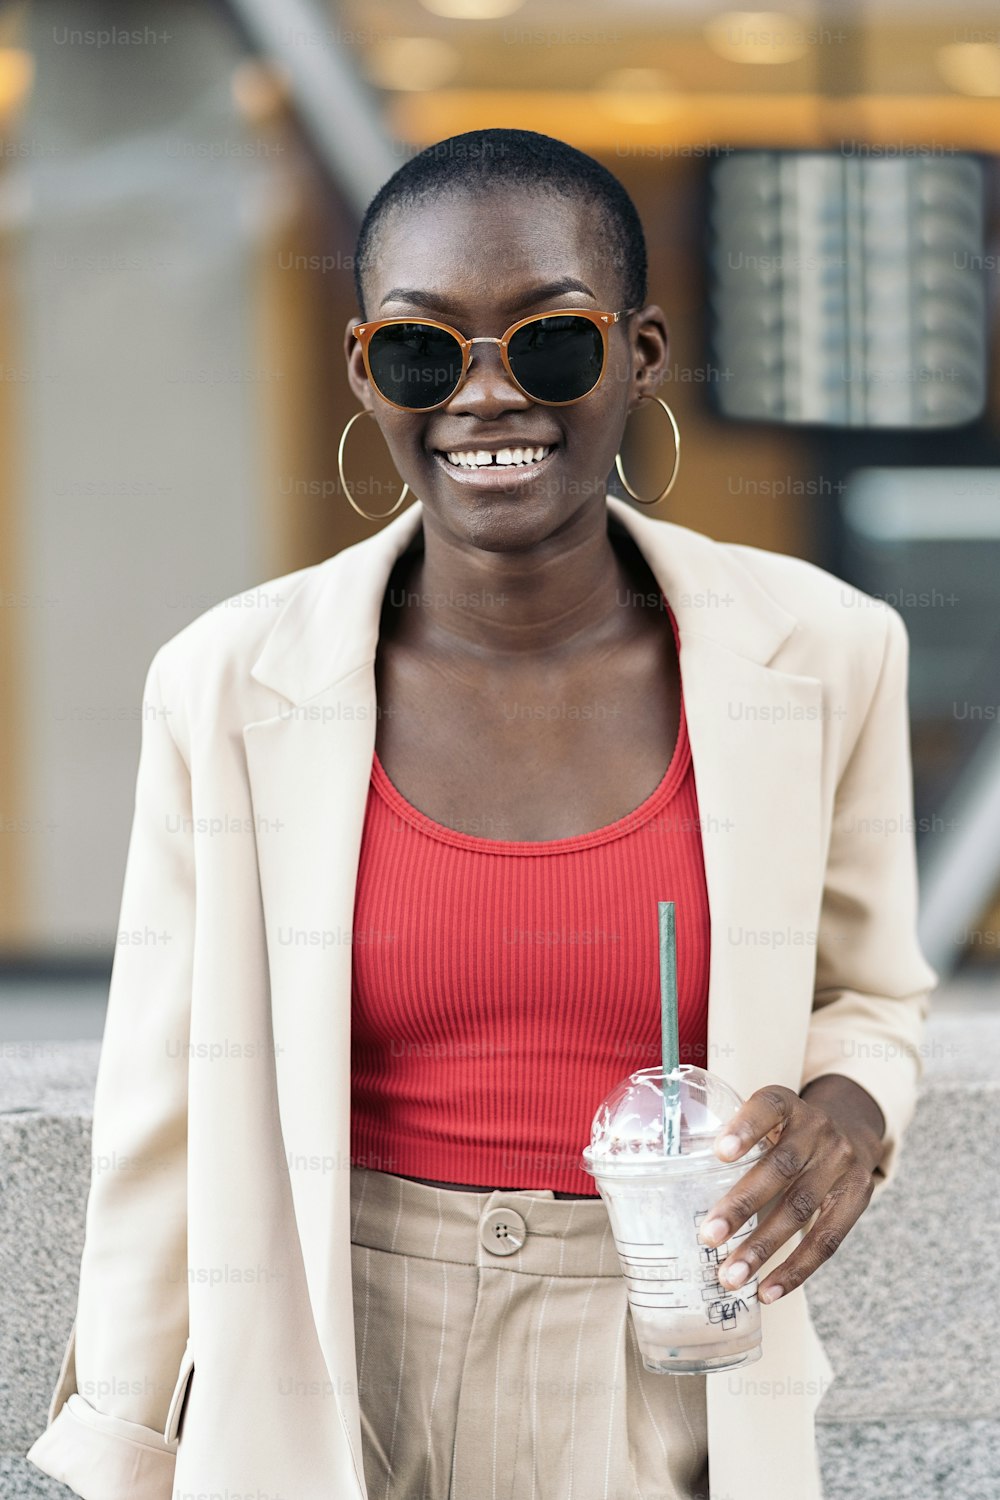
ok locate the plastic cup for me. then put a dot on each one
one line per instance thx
(686, 1322)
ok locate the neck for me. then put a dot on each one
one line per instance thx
(570, 592)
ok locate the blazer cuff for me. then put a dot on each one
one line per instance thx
(890, 1071)
(105, 1458)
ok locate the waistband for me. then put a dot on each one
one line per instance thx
(527, 1230)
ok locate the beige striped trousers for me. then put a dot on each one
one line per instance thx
(497, 1358)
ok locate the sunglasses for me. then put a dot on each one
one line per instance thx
(417, 364)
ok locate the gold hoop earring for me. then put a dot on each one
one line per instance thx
(364, 412)
(677, 457)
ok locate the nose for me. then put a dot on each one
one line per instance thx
(487, 389)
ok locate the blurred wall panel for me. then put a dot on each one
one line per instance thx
(17, 608)
(302, 297)
(139, 507)
(738, 482)
(848, 292)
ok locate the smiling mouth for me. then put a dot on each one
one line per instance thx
(504, 458)
(516, 470)
(497, 471)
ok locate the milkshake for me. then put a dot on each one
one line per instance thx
(658, 1187)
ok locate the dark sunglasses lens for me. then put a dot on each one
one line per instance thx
(558, 358)
(414, 364)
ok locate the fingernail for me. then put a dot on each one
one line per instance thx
(729, 1145)
(736, 1274)
(714, 1230)
(771, 1294)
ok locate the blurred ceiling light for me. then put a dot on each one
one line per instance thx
(637, 96)
(411, 62)
(261, 90)
(970, 67)
(757, 36)
(17, 73)
(472, 10)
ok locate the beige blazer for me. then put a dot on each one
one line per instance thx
(217, 1261)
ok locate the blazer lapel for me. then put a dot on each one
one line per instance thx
(756, 744)
(309, 766)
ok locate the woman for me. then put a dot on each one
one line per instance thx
(403, 818)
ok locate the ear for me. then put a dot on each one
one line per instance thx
(357, 376)
(650, 339)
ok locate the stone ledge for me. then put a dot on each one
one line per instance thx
(901, 1308)
(20, 1480)
(919, 1460)
(48, 1077)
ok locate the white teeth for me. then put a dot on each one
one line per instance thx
(506, 457)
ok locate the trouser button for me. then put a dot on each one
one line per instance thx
(502, 1231)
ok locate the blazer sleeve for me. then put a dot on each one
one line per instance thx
(873, 983)
(126, 1360)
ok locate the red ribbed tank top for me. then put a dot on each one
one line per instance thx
(501, 987)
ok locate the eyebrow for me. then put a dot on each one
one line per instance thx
(432, 302)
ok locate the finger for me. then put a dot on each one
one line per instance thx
(794, 1210)
(796, 1151)
(765, 1110)
(840, 1211)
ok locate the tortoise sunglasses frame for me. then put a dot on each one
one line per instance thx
(602, 320)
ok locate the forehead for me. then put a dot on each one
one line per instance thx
(484, 251)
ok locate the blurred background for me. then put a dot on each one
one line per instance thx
(180, 190)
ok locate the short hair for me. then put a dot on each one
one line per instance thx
(478, 161)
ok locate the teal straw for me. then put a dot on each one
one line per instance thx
(670, 1044)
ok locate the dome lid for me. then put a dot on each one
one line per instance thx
(627, 1130)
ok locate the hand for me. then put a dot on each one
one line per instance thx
(823, 1154)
